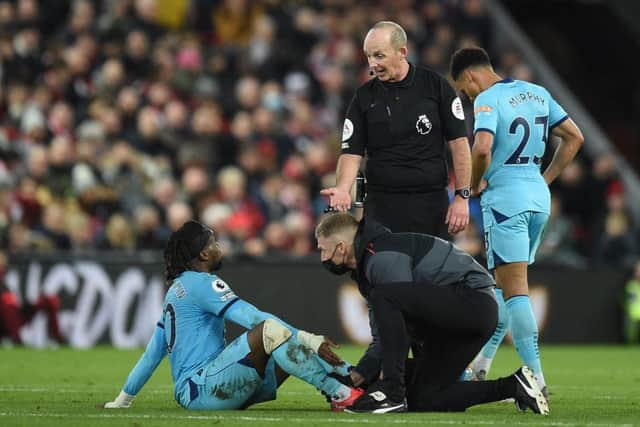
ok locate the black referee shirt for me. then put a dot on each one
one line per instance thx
(402, 127)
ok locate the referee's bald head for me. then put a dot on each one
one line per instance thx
(397, 35)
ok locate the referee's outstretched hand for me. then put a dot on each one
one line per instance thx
(339, 200)
(326, 353)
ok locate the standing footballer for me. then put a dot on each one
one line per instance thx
(513, 120)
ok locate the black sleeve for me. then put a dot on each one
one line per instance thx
(451, 112)
(370, 364)
(354, 130)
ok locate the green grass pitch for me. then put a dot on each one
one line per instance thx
(590, 385)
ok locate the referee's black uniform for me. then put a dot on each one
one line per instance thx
(425, 287)
(402, 128)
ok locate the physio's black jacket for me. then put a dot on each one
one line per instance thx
(383, 257)
(402, 128)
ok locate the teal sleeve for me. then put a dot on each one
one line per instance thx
(557, 114)
(213, 295)
(485, 111)
(148, 362)
(248, 316)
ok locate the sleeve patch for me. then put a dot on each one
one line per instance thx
(228, 296)
(456, 108)
(483, 109)
(219, 285)
(347, 131)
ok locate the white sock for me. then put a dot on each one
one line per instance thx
(342, 393)
(481, 363)
(540, 379)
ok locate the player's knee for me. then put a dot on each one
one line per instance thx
(274, 334)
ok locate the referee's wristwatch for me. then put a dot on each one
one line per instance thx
(465, 193)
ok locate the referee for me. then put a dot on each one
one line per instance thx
(425, 288)
(400, 119)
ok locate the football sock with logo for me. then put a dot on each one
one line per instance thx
(301, 362)
(483, 361)
(524, 331)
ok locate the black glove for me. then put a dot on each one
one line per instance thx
(343, 379)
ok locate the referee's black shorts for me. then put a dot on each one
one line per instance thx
(410, 212)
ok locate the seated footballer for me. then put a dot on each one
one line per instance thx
(209, 374)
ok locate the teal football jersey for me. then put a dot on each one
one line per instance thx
(520, 115)
(193, 321)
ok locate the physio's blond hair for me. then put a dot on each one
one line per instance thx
(336, 223)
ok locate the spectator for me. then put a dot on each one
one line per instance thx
(149, 231)
(81, 231)
(617, 244)
(52, 229)
(117, 235)
(177, 214)
(631, 306)
(14, 315)
(104, 106)
(246, 220)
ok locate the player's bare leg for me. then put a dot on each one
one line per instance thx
(512, 279)
(281, 375)
(258, 356)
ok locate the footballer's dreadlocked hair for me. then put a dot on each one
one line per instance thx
(183, 246)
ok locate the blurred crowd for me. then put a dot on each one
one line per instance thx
(121, 119)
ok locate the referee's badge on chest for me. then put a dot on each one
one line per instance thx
(423, 125)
